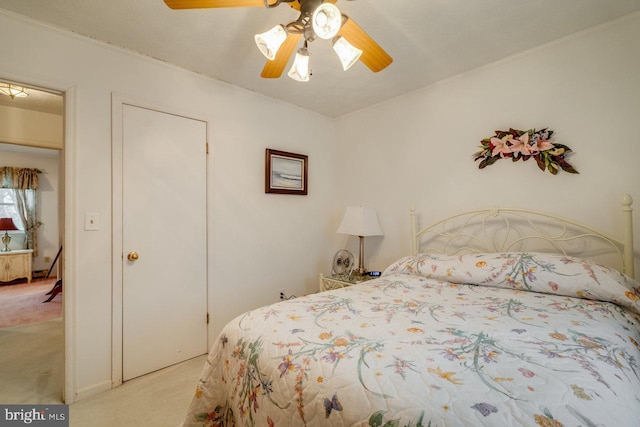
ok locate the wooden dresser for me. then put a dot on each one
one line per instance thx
(15, 264)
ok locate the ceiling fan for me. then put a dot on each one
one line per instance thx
(317, 19)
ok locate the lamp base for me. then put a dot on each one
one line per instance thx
(359, 272)
(6, 239)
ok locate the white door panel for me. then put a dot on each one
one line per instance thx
(164, 222)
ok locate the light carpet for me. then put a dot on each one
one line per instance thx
(159, 399)
(31, 372)
(31, 363)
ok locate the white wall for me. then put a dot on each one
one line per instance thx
(256, 239)
(417, 149)
(30, 128)
(48, 196)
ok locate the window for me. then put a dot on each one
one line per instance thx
(9, 206)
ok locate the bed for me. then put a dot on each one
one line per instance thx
(499, 317)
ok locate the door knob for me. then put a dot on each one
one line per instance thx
(133, 256)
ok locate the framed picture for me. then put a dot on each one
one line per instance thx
(285, 173)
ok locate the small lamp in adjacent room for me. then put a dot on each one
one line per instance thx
(5, 225)
(362, 222)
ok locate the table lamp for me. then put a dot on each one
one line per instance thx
(5, 225)
(362, 222)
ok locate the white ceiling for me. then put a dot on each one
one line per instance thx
(430, 40)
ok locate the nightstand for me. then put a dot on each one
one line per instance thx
(336, 281)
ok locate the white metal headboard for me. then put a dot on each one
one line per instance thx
(518, 230)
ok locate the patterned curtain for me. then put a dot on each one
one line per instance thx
(19, 178)
(24, 181)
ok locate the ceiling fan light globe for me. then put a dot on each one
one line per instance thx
(326, 21)
(348, 53)
(300, 69)
(269, 42)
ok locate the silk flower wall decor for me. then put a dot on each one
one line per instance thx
(519, 144)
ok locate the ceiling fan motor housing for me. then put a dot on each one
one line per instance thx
(307, 7)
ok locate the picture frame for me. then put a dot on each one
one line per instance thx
(286, 173)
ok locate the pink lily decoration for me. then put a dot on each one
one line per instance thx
(518, 144)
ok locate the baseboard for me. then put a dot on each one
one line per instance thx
(39, 274)
(93, 390)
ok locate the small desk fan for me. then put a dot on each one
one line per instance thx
(343, 262)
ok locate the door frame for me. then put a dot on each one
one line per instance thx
(69, 257)
(117, 103)
(67, 219)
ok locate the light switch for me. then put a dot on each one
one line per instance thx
(91, 221)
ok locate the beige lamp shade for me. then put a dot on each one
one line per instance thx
(360, 221)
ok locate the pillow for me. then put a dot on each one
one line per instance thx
(531, 271)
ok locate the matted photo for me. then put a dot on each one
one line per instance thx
(285, 173)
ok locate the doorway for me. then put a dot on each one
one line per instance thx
(31, 136)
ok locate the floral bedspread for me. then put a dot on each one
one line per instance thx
(475, 340)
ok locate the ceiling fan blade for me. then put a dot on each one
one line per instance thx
(295, 5)
(273, 69)
(373, 56)
(202, 4)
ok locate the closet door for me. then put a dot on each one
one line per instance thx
(164, 242)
